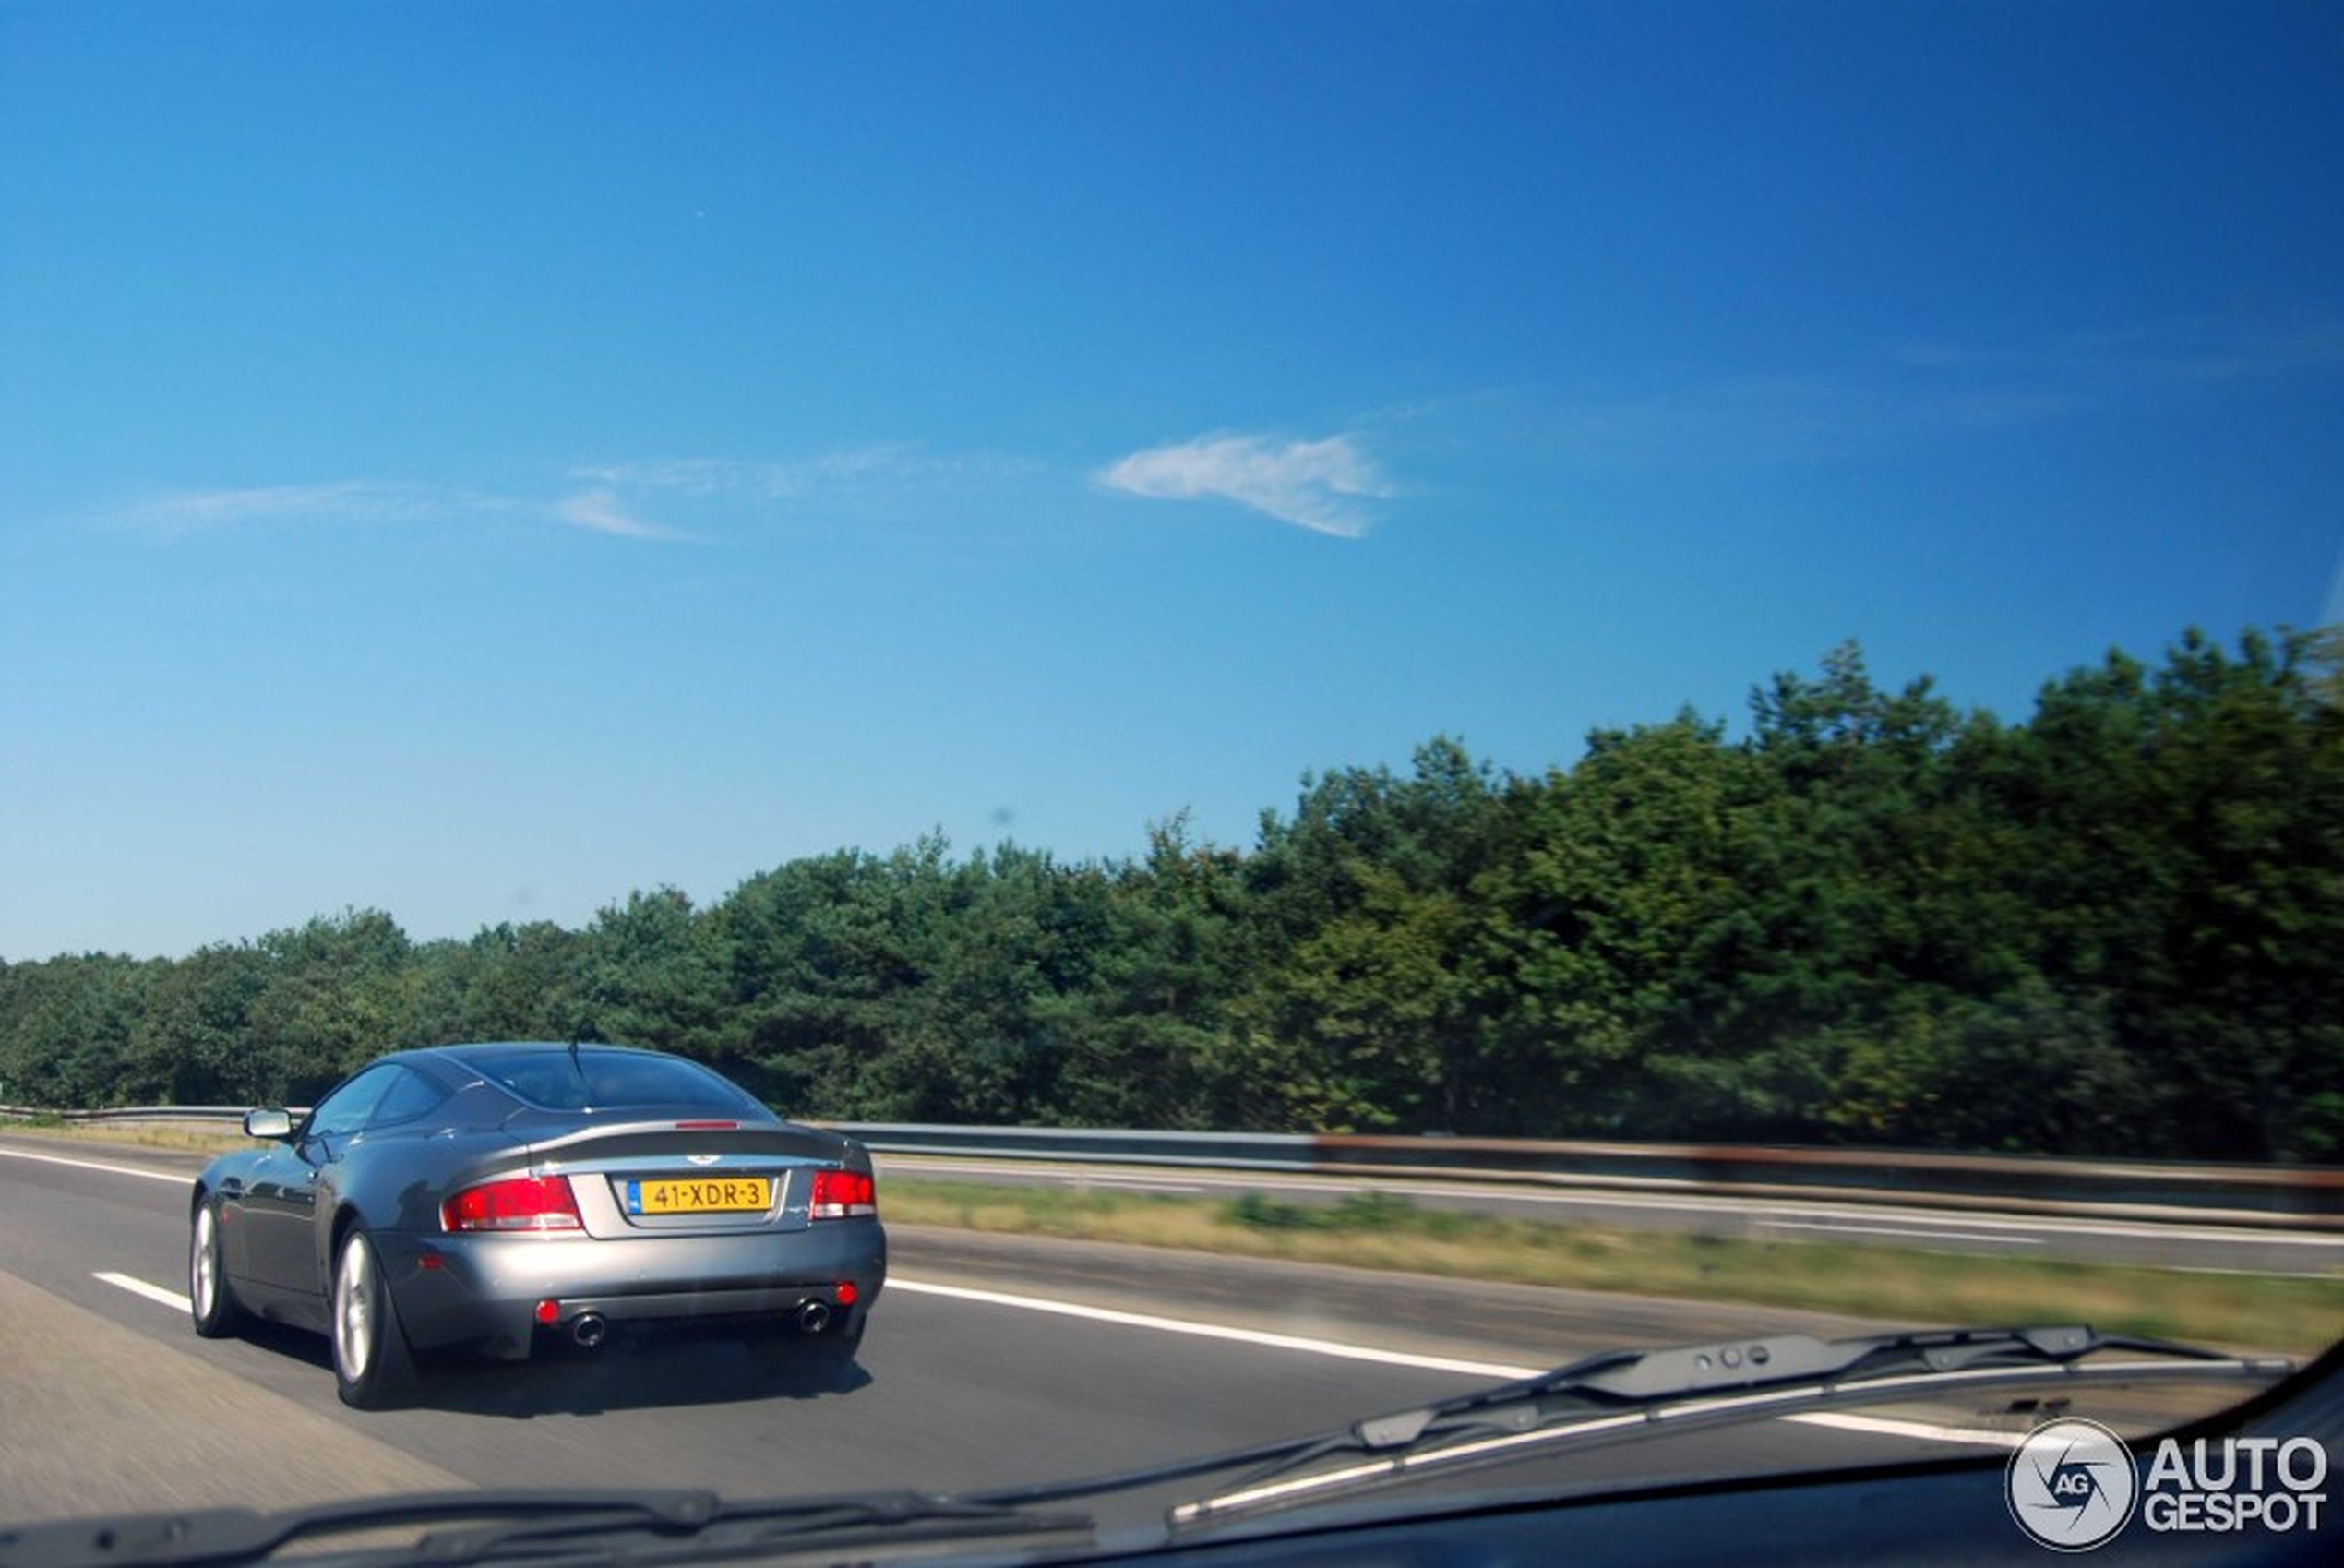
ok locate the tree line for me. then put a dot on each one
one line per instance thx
(1871, 917)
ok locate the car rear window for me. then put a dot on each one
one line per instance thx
(590, 1080)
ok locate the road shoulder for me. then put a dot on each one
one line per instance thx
(74, 1386)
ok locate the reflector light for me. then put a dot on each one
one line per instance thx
(843, 1195)
(520, 1202)
(549, 1311)
(846, 1293)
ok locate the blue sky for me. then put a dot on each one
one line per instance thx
(477, 462)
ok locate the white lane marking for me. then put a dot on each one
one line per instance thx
(1215, 1331)
(1834, 1226)
(1867, 1424)
(1918, 1431)
(180, 1177)
(155, 1293)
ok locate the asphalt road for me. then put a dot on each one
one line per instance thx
(989, 1363)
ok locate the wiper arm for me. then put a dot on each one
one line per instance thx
(536, 1526)
(1620, 1397)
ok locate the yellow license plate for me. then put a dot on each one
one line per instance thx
(701, 1195)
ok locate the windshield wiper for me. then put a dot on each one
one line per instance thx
(1622, 1397)
(543, 1527)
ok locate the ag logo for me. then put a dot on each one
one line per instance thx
(2071, 1485)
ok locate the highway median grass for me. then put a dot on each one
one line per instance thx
(178, 1137)
(1380, 1230)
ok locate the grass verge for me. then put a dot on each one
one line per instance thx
(1379, 1230)
(183, 1137)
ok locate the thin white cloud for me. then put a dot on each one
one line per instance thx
(601, 511)
(634, 500)
(350, 502)
(190, 511)
(688, 476)
(885, 461)
(1315, 485)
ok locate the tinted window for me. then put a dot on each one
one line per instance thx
(609, 1081)
(350, 1106)
(410, 1095)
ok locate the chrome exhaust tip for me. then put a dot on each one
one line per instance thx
(814, 1317)
(588, 1330)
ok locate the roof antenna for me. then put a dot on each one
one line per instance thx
(578, 1068)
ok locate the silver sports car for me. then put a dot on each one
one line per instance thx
(489, 1197)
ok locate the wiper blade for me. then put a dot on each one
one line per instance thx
(539, 1527)
(1625, 1396)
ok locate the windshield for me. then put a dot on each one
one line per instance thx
(1343, 700)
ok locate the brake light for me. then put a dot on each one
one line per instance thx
(519, 1202)
(843, 1195)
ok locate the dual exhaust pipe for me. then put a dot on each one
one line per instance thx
(588, 1330)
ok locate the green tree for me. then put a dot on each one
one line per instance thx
(2189, 830)
(192, 1046)
(1143, 1037)
(652, 973)
(1609, 874)
(66, 1025)
(820, 953)
(335, 995)
(1358, 1010)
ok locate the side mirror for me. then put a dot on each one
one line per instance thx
(267, 1124)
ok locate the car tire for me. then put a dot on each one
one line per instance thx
(211, 1300)
(373, 1367)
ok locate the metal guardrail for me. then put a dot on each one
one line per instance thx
(2308, 1197)
(131, 1116)
(2291, 1197)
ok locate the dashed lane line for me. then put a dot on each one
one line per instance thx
(1499, 1371)
(177, 1176)
(154, 1293)
(1215, 1331)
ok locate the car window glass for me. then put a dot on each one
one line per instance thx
(347, 1109)
(608, 1080)
(410, 1097)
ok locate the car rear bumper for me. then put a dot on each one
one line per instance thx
(484, 1291)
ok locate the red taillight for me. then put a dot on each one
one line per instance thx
(520, 1202)
(843, 1195)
